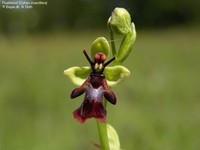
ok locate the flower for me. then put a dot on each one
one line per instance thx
(94, 81)
(95, 88)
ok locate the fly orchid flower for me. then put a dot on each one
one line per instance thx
(95, 88)
(95, 81)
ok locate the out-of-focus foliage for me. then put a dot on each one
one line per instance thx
(74, 14)
(164, 13)
(158, 106)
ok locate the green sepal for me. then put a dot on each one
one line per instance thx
(78, 75)
(116, 74)
(100, 45)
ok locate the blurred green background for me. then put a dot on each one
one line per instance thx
(158, 105)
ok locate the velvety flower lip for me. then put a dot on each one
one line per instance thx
(90, 108)
(95, 88)
(92, 105)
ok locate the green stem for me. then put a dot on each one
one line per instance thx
(103, 136)
(114, 52)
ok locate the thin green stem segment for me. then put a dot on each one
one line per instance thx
(114, 52)
(103, 137)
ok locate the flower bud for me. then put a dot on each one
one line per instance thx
(100, 45)
(126, 46)
(120, 21)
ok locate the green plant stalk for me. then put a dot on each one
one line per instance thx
(103, 136)
(114, 52)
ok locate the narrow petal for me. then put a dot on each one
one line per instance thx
(77, 92)
(80, 90)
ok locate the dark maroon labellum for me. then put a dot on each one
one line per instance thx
(95, 88)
